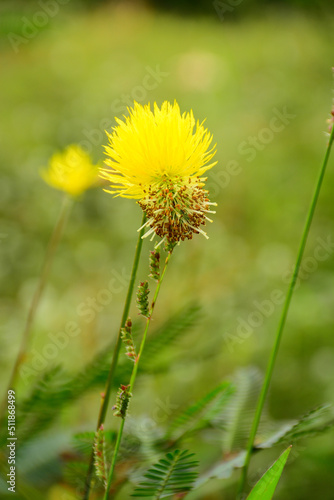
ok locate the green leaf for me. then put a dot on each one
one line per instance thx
(76, 469)
(96, 372)
(173, 474)
(237, 417)
(314, 422)
(222, 470)
(201, 413)
(55, 388)
(165, 336)
(75, 473)
(266, 486)
(35, 413)
(83, 442)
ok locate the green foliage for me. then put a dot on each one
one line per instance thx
(222, 470)
(38, 464)
(202, 413)
(83, 442)
(311, 424)
(227, 409)
(75, 472)
(96, 371)
(171, 475)
(39, 409)
(314, 422)
(55, 388)
(75, 103)
(266, 486)
(166, 335)
(144, 439)
(76, 469)
(239, 411)
(23, 491)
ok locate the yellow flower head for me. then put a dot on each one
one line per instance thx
(159, 157)
(71, 171)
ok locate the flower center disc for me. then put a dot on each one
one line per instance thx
(176, 208)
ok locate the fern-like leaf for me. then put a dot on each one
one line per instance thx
(314, 422)
(75, 473)
(201, 413)
(55, 388)
(96, 372)
(83, 442)
(163, 337)
(146, 438)
(237, 417)
(37, 410)
(222, 470)
(76, 469)
(171, 475)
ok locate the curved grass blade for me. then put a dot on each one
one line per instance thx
(266, 486)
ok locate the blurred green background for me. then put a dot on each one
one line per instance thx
(67, 69)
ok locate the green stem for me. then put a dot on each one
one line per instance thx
(48, 259)
(134, 374)
(282, 321)
(108, 387)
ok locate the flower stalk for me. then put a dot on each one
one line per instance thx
(157, 157)
(48, 260)
(129, 388)
(106, 395)
(274, 352)
(73, 173)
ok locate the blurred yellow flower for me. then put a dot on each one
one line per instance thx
(159, 157)
(71, 171)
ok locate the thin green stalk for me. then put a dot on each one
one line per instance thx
(108, 387)
(134, 374)
(50, 252)
(282, 321)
